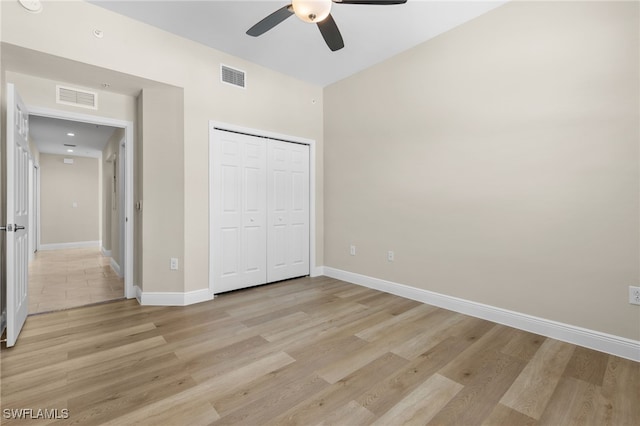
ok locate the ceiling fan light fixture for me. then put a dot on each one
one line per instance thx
(311, 11)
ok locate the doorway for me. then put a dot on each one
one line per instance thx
(84, 270)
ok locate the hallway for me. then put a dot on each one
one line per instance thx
(62, 279)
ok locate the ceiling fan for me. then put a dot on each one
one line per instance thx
(314, 12)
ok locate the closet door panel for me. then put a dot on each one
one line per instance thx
(299, 217)
(228, 223)
(287, 210)
(230, 254)
(239, 211)
(254, 211)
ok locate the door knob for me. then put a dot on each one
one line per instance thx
(11, 228)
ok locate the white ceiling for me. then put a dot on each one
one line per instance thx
(371, 33)
(50, 135)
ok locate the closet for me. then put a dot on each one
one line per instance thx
(260, 210)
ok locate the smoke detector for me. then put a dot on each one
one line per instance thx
(33, 6)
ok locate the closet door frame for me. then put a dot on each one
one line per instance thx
(215, 125)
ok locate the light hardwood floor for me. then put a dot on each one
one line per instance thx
(308, 352)
(63, 279)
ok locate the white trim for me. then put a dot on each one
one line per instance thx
(37, 200)
(129, 291)
(122, 203)
(317, 272)
(615, 345)
(174, 298)
(72, 245)
(31, 209)
(312, 206)
(312, 185)
(105, 252)
(3, 321)
(259, 133)
(116, 268)
(138, 293)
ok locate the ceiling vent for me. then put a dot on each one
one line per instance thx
(76, 97)
(232, 76)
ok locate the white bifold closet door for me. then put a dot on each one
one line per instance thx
(260, 211)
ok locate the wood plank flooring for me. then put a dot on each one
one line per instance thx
(307, 352)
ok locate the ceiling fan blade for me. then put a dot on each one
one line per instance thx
(378, 2)
(270, 21)
(331, 33)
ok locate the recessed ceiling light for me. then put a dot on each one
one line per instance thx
(69, 150)
(71, 134)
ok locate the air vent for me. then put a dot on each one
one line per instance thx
(76, 97)
(232, 76)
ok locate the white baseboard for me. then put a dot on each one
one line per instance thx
(3, 321)
(174, 298)
(318, 271)
(115, 267)
(138, 293)
(603, 342)
(74, 245)
(105, 252)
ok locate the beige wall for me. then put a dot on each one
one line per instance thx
(163, 235)
(62, 185)
(41, 92)
(272, 102)
(500, 162)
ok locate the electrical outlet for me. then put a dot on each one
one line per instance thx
(634, 295)
(390, 256)
(174, 264)
(352, 250)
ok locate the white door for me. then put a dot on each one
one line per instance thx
(238, 244)
(287, 210)
(17, 214)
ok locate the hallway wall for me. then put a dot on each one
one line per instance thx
(111, 196)
(69, 200)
